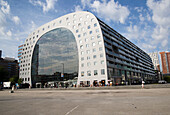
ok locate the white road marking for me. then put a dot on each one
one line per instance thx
(71, 110)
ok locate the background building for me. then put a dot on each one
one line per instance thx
(81, 46)
(165, 59)
(19, 52)
(0, 53)
(155, 60)
(10, 65)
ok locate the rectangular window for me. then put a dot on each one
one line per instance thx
(88, 57)
(79, 36)
(88, 64)
(90, 32)
(80, 41)
(88, 51)
(95, 72)
(100, 49)
(102, 62)
(77, 31)
(95, 24)
(93, 44)
(102, 72)
(82, 58)
(89, 73)
(82, 73)
(87, 45)
(92, 38)
(82, 53)
(82, 65)
(88, 27)
(95, 63)
(97, 30)
(101, 55)
(94, 56)
(81, 47)
(94, 50)
(99, 42)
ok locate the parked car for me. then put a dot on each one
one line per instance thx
(162, 82)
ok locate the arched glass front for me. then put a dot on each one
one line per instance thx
(55, 57)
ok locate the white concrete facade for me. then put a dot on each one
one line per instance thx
(155, 59)
(91, 51)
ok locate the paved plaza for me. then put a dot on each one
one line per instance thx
(86, 102)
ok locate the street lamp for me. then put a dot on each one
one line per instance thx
(63, 70)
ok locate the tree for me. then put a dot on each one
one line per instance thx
(20, 81)
(14, 79)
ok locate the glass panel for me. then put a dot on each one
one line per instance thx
(55, 57)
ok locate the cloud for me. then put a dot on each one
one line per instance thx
(5, 8)
(9, 33)
(111, 11)
(161, 17)
(16, 19)
(78, 8)
(48, 5)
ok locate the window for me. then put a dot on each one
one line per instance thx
(74, 15)
(87, 16)
(79, 24)
(95, 24)
(28, 79)
(92, 38)
(102, 72)
(82, 58)
(25, 79)
(82, 73)
(80, 19)
(102, 62)
(79, 36)
(99, 42)
(95, 72)
(86, 40)
(88, 27)
(81, 47)
(82, 53)
(84, 34)
(80, 41)
(94, 56)
(95, 63)
(85, 23)
(74, 27)
(60, 21)
(88, 51)
(88, 64)
(90, 32)
(87, 45)
(92, 19)
(98, 36)
(97, 30)
(101, 55)
(88, 57)
(89, 73)
(94, 50)
(82, 29)
(67, 18)
(93, 44)
(74, 21)
(77, 31)
(100, 48)
(82, 65)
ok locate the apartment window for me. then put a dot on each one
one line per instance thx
(81, 47)
(90, 32)
(25, 79)
(80, 41)
(60, 21)
(77, 31)
(87, 45)
(74, 15)
(95, 72)
(84, 34)
(88, 57)
(82, 53)
(102, 72)
(82, 65)
(74, 27)
(82, 73)
(102, 62)
(79, 36)
(99, 42)
(28, 79)
(79, 24)
(67, 18)
(98, 36)
(93, 44)
(80, 19)
(94, 50)
(100, 48)
(74, 21)
(94, 56)
(82, 58)
(97, 30)
(101, 55)
(95, 63)
(92, 19)
(85, 22)
(88, 51)
(95, 24)
(86, 40)
(92, 38)
(87, 16)
(82, 29)
(88, 63)
(89, 73)
(88, 27)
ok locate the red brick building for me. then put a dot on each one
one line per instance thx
(165, 60)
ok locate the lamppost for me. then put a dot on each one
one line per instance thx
(63, 69)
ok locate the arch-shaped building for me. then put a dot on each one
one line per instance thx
(79, 45)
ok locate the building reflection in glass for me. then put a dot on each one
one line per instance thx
(54, 53)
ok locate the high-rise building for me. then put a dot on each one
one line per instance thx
(10, 65)
(81, 46)
(155, 59)
(165, 60)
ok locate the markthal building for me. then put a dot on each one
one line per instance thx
(80, 49)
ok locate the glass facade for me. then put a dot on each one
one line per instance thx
(55, 57)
